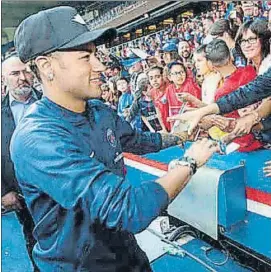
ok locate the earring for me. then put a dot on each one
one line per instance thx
(50, 76)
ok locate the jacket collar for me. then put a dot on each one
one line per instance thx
(6, 100)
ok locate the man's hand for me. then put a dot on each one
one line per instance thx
(186, 97)
(206, 122)
(267, 169)
(177, 178)
(192, 117)
(11, 201)
(202, 150)
(224, 123)
(243, 126)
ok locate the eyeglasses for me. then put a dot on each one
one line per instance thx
(251, 40)
(178, 73)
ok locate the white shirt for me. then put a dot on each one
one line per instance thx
(209, 87)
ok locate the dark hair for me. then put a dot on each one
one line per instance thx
(201, 49)
(220, 27)
(35, 70)
(105, 87)
(122, 78)
(114, 66)
(143, 84)
(209, 18)
(258, 27)
(173, 55)
(161, 69)
(218, 52)
(174, 63)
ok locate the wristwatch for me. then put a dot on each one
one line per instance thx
(185, 161)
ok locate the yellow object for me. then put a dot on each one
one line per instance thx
(168, 21)
(152, 27)
(216, 133)
(188, 14)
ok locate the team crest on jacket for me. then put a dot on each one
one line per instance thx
(111, 138)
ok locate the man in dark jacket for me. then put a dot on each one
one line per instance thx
(67, 154)
(19, 97)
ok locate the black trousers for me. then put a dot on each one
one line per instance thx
(27, 223)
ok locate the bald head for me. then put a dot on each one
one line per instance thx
(17, 77)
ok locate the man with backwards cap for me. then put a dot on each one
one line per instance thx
(67, 153)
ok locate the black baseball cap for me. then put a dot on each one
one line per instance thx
(55, 29)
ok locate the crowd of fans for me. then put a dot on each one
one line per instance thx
(195, 29)
(190, 65)
(113, 13)
(154, 80)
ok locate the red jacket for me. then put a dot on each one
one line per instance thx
(240, 77)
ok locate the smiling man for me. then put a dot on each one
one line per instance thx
(68, 158)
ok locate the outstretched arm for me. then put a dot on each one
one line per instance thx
(253, 92)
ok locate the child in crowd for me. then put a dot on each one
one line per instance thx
(157, 92)
(126, 98)
(125, 102)
(107, 95)
(149, 115)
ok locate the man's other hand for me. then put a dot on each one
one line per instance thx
(11, 201)
(201, 151)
